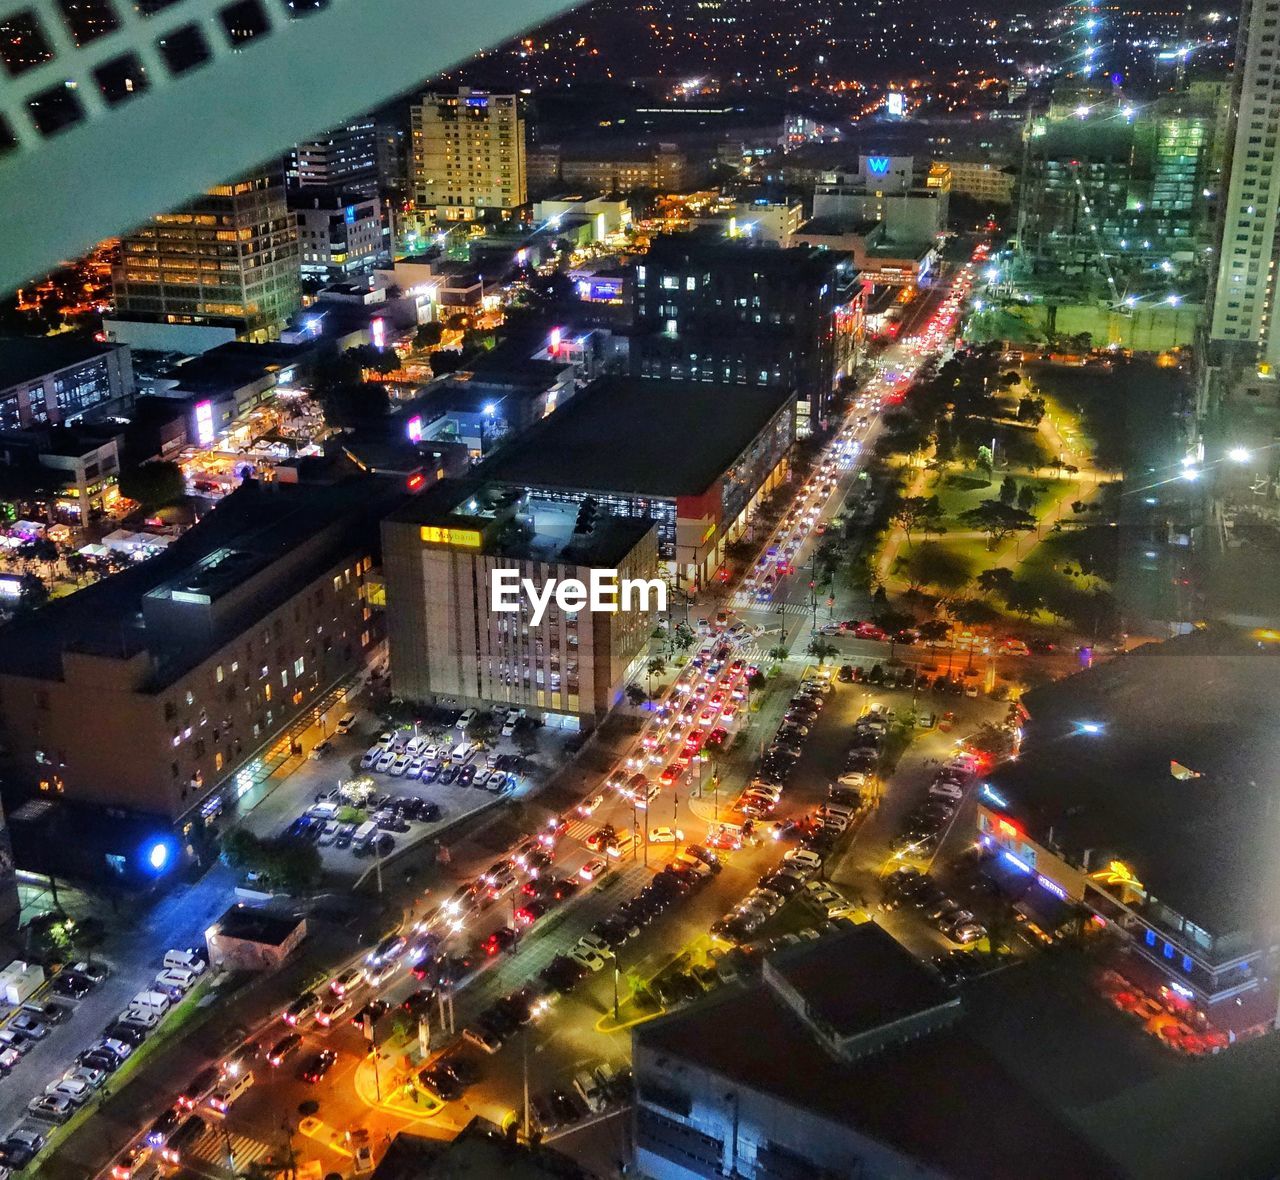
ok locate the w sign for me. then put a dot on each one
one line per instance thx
(878, 165)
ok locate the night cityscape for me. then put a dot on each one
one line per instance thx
(670, 590)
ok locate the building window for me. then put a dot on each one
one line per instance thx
(298, 666)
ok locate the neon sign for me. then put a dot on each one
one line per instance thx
(878, 165)
(204, 424)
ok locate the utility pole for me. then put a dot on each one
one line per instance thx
(525, 1044)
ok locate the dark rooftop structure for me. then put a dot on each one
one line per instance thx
(25, 358)
(508, 529)
(480, 1151)
(250, 529)
(250, 924)
(661, 439)
(1164, 758)
(924, 1092)
(234, 364)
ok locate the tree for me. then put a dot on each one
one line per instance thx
(428, 335)
(446, 360)
(153, 484)
(636, 695)
(354, 404)
(482, 729)
(1023, 598)
(932, 565)
(1031, 409)
(1008, 490)
(984, 461)
(930, 517)
(974, 612)
(380, 360)
(997, 520)
(907, 512)
(683, 637)
(934, 630)
(821, 650)
(655, 667)
(777, 652)
(1027, 497)
(996, 580)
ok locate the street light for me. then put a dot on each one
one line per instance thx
(1239, 455)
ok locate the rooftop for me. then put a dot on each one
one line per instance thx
(480, 1151)
(254, 925)
(865, 980)
(927, 1097)
(258, 522)
(795, 263)
(637, 437)
(30, 358)
(513, 527)
(235, 364)
(1097, 769)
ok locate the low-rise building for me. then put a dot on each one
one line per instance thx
(694, 458)
(846, 1059)
(1144, 793)
(168, 689)
(58, 380)
(444, 555)
(250, 939)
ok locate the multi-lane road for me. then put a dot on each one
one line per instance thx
(568, 1037)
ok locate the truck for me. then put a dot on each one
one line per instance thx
(20, 981)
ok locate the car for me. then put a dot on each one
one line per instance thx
(371, 1013)
(163, 1127)
(21, 1146)
(587, 958)
(369, 760)
(29, 1025)
(594, 868)
(499, 940)
(595, 944)
(333, 1010)
(77, 1091)
(99, 1059)
(199, 1088)
(387, 951)
(175, 980)
(302, 1007)
(283, 1048)
(76, 987)
(316, 1066)
(94, 1078)
(601, 838)
(466, 718)
(665, 835)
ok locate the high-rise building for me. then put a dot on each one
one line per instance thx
(345, 158)
(1242, 326)
(468, 152)
(228, 259)
(724, 311)
(1120, 189)
(339, 232)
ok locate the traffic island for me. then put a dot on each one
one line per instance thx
(388, 1085)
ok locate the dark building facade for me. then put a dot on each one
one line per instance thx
(715, 310)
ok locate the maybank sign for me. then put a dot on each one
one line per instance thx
(459, 538)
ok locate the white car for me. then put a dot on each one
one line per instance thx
(665, 835)
(595, 945)
(946, 791)
(371, 756)
(509, 725)
(803, 858)
(346, 723)
(399, 765)
(143, 1017)
(94, 1078)
(587, 958)
(415, 767)
(175, 977)
(483, 775)
(329, 833)
(75, 1090)
(468, 716)
(385, 761)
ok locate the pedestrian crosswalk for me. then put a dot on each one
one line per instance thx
(580, 829)
(743, 602)
(217, 1146)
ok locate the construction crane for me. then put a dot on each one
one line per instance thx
(105, 123)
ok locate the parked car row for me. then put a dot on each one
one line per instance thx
(592, 1091)
(907, 885)
(926, 824)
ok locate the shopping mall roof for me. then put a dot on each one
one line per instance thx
(933, 1096)
(643, 438)
(1164, 758)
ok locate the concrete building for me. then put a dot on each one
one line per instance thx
(878, 261)
(223, 266)
(344, 158)
(661, 167)
(843, 1058)
(468, 155)
(1144, 793)
(170, 690)
(58, 380)
(249, 939)
(912, 201)
(603, 216)
(735, 314)
(446, 639)
(339, 233)
(694, 458)
(985, 181)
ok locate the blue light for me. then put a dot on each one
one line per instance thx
(1091, 727)
(878, 165)
(988, 792)
(1017, 862)
(158, 855)
(350, 214)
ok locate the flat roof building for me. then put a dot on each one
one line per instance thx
(447, 637)
(845, 1058)
(57, 380)
(1145, 791)
(169, 689)
(695, 458)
